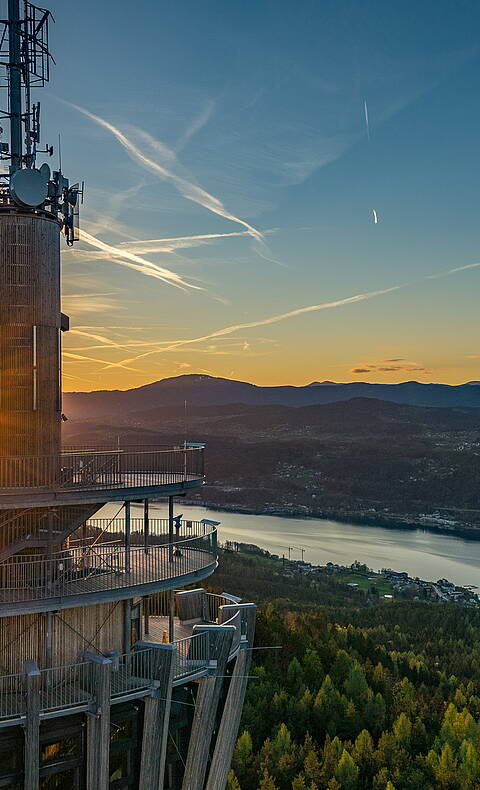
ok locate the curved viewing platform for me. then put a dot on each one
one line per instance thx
(90, 572)
(82, 475)
(66, 689)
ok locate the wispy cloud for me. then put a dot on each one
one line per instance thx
(390, 367)
(196, 125)
(142, 265)
(79, 303)
(175, 243)
(275, 319)
(102, 339)
(82, 358)
(187, 189)
(448, 272)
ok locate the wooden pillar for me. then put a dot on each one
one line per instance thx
(171, 616)
(232, 712)
(146, 615)
(208, 697)
(32, 726)
(127, 625)
(146, 524)
(98, 724)
(171, 607)
(156, 719)
(127, 536)
(49, 616)
(170, 528)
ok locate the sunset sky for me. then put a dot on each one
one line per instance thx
(231, 183)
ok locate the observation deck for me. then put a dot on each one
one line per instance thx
(104, 566)
(95, 475)
(69, 689)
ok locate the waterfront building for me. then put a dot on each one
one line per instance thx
(112, 675)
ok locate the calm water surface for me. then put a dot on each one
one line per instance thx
(429, 555)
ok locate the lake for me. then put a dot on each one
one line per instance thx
(427, 554)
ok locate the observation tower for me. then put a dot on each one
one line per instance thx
(112, 676)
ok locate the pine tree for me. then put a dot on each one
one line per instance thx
(299, 783)
(356, 685)
(267, 782)
(402, 729)
(232, 782)
(347, 772)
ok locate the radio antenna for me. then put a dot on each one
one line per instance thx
(24, 65)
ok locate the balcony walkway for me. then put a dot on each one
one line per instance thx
(67, 689)
(99, 475)
(100, 573)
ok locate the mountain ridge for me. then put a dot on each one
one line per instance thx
(204, 390)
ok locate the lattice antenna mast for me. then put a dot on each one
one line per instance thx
(25, 57)
(27, 63)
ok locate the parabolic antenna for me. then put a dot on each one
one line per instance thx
(45, 171)
(28, 187)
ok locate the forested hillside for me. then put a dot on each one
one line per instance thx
(360, 696)
(363, 459)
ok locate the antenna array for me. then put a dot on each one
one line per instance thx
(25, 63)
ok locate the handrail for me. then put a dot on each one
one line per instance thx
(74, 572)
(132, 674)
(214, 603)
(103, 469)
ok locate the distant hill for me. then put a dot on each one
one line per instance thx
(364, 459)
(201, 390)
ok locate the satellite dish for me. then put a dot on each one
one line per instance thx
(45, 171)
(28, 187)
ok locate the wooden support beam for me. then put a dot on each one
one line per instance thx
(170, 528)
(232, 711)
(156, 719)
(127, 536)
(146, 524)
(205, 714)
(146, 615)
(32, 726)
(127, 625)
(98, 724)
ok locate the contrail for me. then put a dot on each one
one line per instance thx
(139, 264)
(105, 341)
(174, 243)
(229, 330)
(452, 271)
(186, 188)
(82, 358)
(196, 125)
(367, 125)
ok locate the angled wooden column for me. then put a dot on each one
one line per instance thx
(232, 711)
(32, 726)
(208, 696)
(98, 724)
(156, 718)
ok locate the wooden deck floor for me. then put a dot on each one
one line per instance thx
(145, 569)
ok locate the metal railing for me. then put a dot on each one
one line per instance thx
(65, 687)
(106, 530)
(103, 469)
(191, 656)
(132, 674)
(92, 568)
(213, 605)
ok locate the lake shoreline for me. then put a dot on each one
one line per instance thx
(466, 533)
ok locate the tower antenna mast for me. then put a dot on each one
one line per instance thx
(15, 85)
(25, 59)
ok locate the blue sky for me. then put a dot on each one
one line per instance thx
(261, 106)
